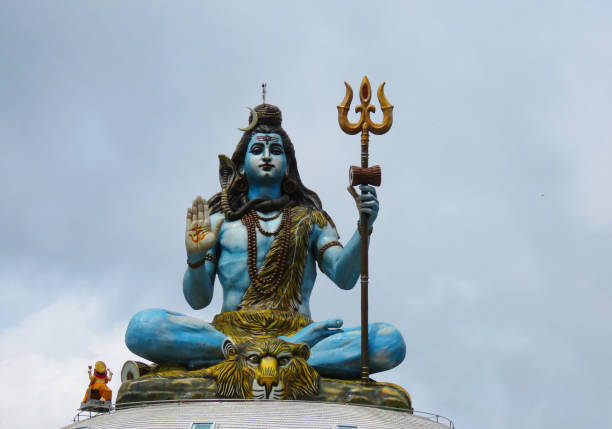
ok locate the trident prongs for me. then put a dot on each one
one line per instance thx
(364, 109)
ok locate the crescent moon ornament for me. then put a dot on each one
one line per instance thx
(253, 121)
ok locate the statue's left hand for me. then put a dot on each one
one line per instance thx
(316, 332)
(368, 203)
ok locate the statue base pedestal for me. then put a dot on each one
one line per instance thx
(175, 383)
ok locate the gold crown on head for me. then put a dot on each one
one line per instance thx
(100, 367)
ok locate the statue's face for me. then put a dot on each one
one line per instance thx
(265, 161)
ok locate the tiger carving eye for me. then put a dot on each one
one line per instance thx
(283, 361)
(254, 359)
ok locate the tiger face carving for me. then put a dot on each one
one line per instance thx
(265, 368)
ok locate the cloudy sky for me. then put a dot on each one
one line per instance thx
(492, 249)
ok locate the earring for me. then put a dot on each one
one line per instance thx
(240, 184)
(289, 185)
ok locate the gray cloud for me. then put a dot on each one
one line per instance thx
(490, 252)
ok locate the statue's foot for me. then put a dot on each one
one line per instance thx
(339, 356)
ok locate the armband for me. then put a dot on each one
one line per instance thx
(325, 247)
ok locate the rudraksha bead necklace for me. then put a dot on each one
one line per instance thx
(268, 284)
(263, 231)
(260, 217)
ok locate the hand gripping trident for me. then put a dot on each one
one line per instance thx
(364, 176)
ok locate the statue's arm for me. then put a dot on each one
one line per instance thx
(343, 265)
(199, 277)
(198, 283)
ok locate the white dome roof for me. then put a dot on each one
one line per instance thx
(241, 414)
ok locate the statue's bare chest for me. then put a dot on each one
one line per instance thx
(234, 239)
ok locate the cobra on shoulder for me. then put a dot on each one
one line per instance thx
(229, 177)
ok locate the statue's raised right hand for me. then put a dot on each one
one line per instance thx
(198, 235)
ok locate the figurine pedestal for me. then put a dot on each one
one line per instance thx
(96, 406)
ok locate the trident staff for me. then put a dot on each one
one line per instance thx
(364, 175)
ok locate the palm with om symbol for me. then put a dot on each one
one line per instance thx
(198, 234)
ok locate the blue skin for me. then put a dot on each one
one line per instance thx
(162, 336)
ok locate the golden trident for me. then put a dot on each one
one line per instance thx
(364, 176)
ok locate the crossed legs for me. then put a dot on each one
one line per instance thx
(165, 336)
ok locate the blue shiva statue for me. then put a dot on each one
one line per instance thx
(269, 233)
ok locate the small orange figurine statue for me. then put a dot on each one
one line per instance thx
(97, 383)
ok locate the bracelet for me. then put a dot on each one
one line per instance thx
(207, 257)
(325, 247)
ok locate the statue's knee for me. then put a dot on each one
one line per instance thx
(389, 347)
(142, 325)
